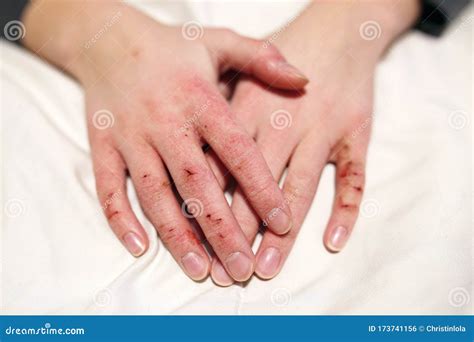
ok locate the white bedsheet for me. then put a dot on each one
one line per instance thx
(411, 251)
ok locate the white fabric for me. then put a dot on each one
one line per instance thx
(411, 251)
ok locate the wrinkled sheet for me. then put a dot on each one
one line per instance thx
(410, 253)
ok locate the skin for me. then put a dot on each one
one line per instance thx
(330, 120)
(152, 102)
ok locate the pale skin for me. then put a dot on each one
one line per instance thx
(163, 93)
(161, 90)
(330, 120)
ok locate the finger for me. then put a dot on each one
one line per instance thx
(300, 187)
(350, 180)
(227, 82)
(276, 155)
(161, 207)
(223, 175)
(241, 156)
(205, 199)
(110, 176)
(218, 169)
(255, 57)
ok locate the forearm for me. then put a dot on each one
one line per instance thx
(67, 33)
(362, 28)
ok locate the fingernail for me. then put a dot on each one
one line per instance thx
(338, 238)
(239, 265)
(280, 222)
(268, 262)
(134, 244)
(194, 266)
(219, 275)
(289, 69)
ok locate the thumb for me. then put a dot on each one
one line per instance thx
(254, 57)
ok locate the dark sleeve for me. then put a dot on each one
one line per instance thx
(437, 14)
(10, 14)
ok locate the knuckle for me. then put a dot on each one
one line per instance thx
(352, 174)
(349, 200)
(300, 177)
(261, 190)
(348, 204)
(196, 177)
(151, 188)
(300, 190)
(220, 237)
(113, 215)
(197, 88)
(351, 179)
(170, 235)
(215, 220)
(106, 182)
(239, 149)
(110, 197)
(175, 237)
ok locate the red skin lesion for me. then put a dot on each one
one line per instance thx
(111, 214)
(350, 179)
(171, 236)
(345, 170)
(189, 234)
(214, 220)
(189, 172)
(135, 53)
(343, 204)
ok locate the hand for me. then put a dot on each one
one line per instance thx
(328, 123)
(152, 101)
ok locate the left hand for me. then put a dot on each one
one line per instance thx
(329, 123)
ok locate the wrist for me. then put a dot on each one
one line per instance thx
(365, 29)
(80, 37)
(370, 27)
(380, 23)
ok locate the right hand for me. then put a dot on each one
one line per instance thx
(152, 101)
